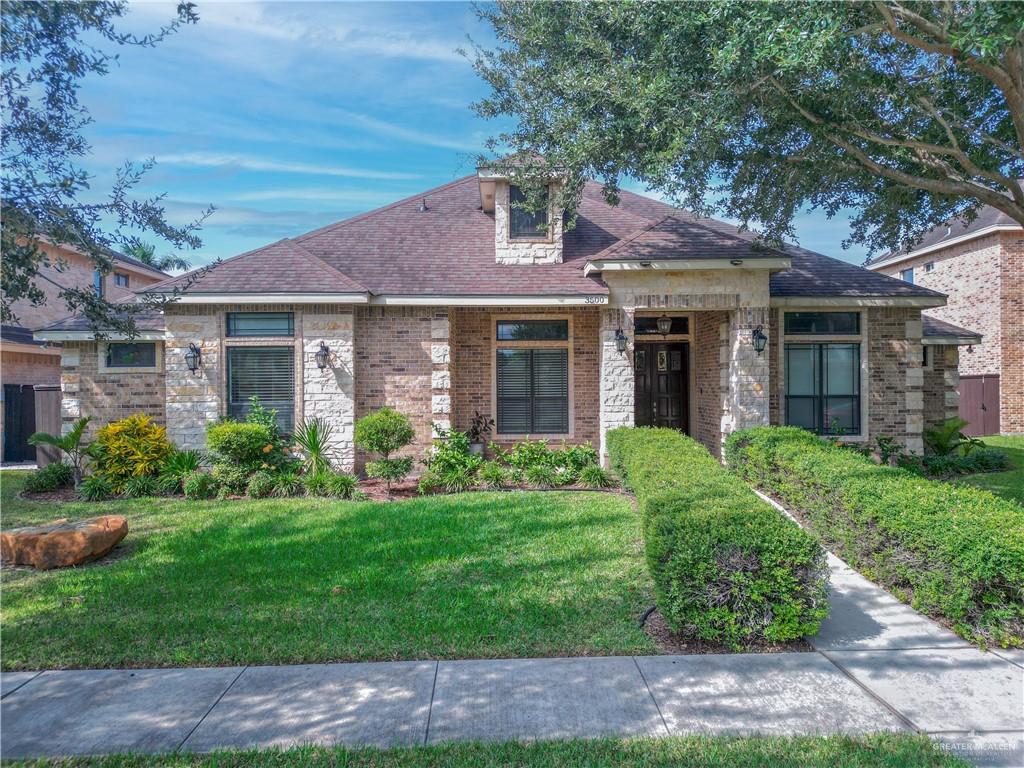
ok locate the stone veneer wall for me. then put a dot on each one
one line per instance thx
(747, 372)
(193, 399)
(508, 251)
(1011, 379)
(106, 396)
(968, 273)
(710, 333)
(472, 363)
(617, 387)
(941, 380)
(394, 354)
(895, 398)
(330, 393)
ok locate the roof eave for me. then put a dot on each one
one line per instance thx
(924, 302)
(945, 340)
(964, 238)
(59, 335)
(772, 263)
(270, 298)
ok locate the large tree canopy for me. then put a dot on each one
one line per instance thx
(908, 112)
(47, 49)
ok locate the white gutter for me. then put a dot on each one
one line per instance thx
(270, 298)
(858, 301)
(45, 335)
(944, 244)
(398, 300)
(950, 341)
(624, 265)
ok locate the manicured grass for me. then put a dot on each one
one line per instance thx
(1008, 484)
(874, 751)
(305, 580)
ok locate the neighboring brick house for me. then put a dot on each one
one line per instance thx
(980, 268)
(29, 367)
(457, 300)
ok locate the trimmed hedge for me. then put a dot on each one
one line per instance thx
(727, 566)
(948, 550)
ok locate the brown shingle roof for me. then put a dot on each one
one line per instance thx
(932, 326)
(145, 320)
(449, 250)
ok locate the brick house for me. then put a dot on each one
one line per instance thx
(458, 300)
(31, 367)
(980, 268)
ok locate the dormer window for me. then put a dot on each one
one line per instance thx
(525, 224)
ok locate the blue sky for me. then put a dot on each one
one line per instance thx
(289, 116)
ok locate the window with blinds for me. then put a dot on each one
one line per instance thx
(269, 374)
(533, 391)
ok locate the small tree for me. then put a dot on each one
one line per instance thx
(70, 444)
(384, 432)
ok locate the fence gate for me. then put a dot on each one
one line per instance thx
(979, 404)
(47, 420)
(19, 422)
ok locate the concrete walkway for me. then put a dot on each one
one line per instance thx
(878, 665)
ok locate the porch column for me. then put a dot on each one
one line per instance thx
(617, 376)
(440, 373)
(744, 372)
(329, 394)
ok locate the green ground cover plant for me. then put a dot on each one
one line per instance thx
(727, 566)
(297, 580)
(883, 750)
(951, 551)
(1008, 484)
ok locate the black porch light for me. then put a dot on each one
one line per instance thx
(620, 340)
(323, 355)
(664, 325)
(193, 357)
(758, 339)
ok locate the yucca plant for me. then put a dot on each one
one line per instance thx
(72, 444)
(314, 437)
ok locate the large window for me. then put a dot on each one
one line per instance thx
(823, 387)
(269, 374)
(532, 377)
(261, 324)
(524, 223)
(133, 355)
(822, 323)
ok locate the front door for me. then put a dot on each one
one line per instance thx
(661, 385)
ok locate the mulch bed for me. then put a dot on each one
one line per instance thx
(61, 494)
(666, 641)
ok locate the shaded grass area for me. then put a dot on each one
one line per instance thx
(1008, 484)
(874, 751)
(312, 580)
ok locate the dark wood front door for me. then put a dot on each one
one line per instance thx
(662, 374)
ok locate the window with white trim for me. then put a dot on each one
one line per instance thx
(907, 275)
(267, 373)
(532, 376)
(131, 355)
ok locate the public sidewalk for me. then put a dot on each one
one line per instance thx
(877, 665)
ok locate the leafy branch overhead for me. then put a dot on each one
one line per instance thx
(909, 112)
(47, 197)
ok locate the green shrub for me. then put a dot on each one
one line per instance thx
(95, 488)
(342, 486)
(140, 487)
(385, 431)
(529, 453)
(541, 476)
(50, 478)
(243, 444)
(199, 485)
(948, 550)
(494, 475)
(978, 460)
(594, 477)
(451, 466)
(576, 458)
(131, 447)
(727, 566)
(176, 468)
(286, 483)
(231, 479)
(261, 485)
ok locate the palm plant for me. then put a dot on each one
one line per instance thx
(315, 439)
(70, 444)
(949, 438)
(146, 253)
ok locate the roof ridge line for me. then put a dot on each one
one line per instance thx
(330, 267)
(172, 278)
(381, 209)
(629, 238)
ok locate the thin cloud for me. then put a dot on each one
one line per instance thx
(246, 163)
(356, 198)
(411, 135)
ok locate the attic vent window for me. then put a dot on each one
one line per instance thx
(524, 223)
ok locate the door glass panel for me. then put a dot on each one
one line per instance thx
(842, 369)
(801, 369)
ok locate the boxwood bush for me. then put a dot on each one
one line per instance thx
(727, 566)
(950, 551)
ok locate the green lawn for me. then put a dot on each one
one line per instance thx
(1009, 484)
(875, 751)
(306, 580)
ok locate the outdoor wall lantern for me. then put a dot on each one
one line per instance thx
(193, 357)
(758, 339)
(323, 355)
(620, 340)
(664, 325)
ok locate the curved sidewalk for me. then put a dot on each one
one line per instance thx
(877, 665)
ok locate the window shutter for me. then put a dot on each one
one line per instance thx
(269, 374)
